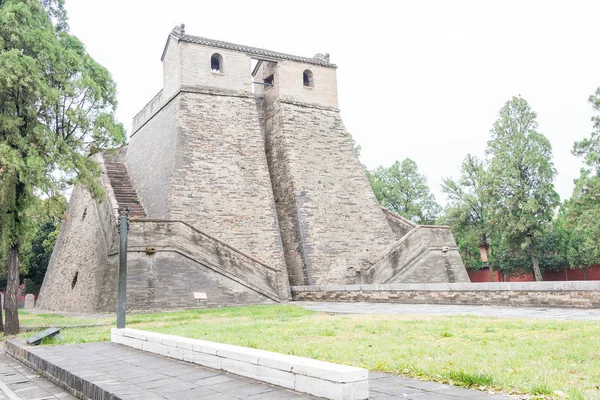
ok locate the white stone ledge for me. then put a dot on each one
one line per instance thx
(555, 286)
(318, 378)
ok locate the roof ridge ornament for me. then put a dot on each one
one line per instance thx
(179, 29)
(322, 56)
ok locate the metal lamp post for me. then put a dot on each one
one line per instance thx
(122, 291)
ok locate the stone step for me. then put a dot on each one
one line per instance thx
(123, 189)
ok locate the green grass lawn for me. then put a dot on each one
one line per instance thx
(521, 356)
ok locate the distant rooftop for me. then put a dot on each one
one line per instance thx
(261, 54)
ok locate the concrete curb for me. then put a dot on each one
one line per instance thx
(305, 375)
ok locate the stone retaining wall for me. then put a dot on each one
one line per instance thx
(581, 294)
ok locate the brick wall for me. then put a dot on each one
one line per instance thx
(526, 294)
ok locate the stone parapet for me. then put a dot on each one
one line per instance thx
(583, 294)
(319, 378)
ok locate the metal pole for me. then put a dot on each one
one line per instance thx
(122, 291)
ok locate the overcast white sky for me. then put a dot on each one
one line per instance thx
(417, 79)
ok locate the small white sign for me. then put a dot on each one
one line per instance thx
(200, 296)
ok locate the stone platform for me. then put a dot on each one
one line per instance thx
(111, 371)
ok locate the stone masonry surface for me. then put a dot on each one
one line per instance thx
(268, 173)
(150, 158)
(581, 294)
(426, 254)
(324, 194)
(221, 181)
(185, 261)
(79, 261)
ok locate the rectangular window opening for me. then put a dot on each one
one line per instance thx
(270, 80)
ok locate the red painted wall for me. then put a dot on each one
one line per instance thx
(20, 295)
(483, 275)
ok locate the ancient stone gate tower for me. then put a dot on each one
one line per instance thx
(242, 181)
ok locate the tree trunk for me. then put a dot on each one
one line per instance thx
(12, 289)
(490, 266)
(1, 323)
(566, 273)
(585, 273)
(537, 273)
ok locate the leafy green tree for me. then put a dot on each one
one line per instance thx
(402, 189)
(583, 213)
(584, 221)
(467, 211)
(36, 256)
(521, 175)
(56, 110)
(589, 148)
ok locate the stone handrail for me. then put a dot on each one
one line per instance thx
(396, 257)
(401, 255)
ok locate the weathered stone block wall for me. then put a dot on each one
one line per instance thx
(167, 281)
(168, 261)
(220, 183)
(583, 294)
(151, 155)
(427, 254)
(180, 237)
(291, 86)
(326, 207)
(196, 69)
(172, 66)
(76, 269)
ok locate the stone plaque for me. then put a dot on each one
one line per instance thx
(29, 300)
(200, 296)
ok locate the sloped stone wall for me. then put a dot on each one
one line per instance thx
(76, 271)
(326, 207)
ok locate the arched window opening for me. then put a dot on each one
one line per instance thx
(307, 78)
(216, 63)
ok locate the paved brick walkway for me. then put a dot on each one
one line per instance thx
(439, 309)
(134, 374)
(19, 382)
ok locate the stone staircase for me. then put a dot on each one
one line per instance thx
(122, 187)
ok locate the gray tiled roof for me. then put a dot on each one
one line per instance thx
(249, 50)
